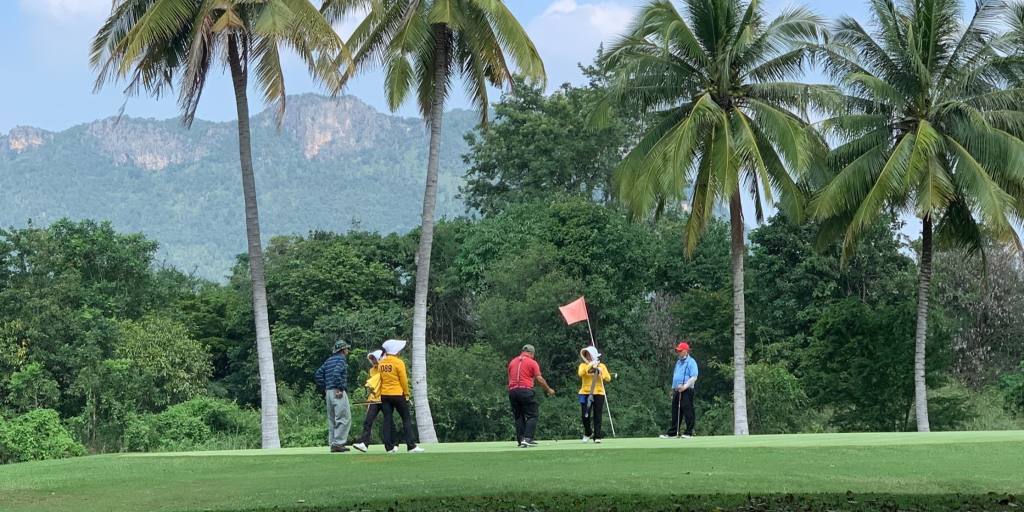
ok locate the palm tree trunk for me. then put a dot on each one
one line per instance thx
(924, 284)
(739, 320)
(424, 420)
(264, 350)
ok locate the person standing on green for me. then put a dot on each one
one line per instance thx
(332, 376)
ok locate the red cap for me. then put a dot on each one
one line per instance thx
(683, 346)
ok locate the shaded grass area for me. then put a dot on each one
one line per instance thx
(692, 503)
(881, 472)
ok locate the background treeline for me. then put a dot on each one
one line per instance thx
(103, 350)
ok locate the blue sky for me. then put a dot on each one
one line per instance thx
(50, 84)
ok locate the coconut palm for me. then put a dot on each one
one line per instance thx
(157, 45)
(423, 46)
(932, 126)
(721, 118)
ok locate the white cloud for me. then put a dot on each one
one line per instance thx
(68, 10)
(569, 32)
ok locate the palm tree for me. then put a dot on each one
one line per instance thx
(721, 117)
(156, 45)
(932, 126)
(423, 45)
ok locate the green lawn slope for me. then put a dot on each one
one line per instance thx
(951, 471)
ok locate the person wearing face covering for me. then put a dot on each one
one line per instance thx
(373, 388)
(593, 375)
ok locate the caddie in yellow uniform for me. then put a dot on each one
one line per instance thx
(394, 395)
(373, 389)
(593, 374)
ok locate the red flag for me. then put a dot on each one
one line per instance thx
(575, 311)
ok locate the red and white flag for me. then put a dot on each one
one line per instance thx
(575, 311)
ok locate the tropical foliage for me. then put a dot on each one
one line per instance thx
(720, 116)
(931, 125)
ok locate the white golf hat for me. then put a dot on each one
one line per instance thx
(594, 354)
(393, 347)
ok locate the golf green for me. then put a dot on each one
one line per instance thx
(625, 473)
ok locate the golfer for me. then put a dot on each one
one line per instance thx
(394, 395)
(332, 376)
(373, 388)
(593, 374)
(523, 370)
(684, 378)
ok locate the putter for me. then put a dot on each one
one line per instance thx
(679, 415)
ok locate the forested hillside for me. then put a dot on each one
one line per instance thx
(333, 163)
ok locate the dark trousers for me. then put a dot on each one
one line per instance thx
(389, 404)
(682, 403)
(592, 417)
(524, 411)
(371, 415)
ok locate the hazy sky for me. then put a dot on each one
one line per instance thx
(48, 82)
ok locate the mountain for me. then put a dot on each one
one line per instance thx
(331, 165)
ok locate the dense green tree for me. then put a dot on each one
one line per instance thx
(540, 146)
(722, 118)
(173, 365)
(424, 45)
(931, 126)
(984, 296)
(326, 287)
(156, 45)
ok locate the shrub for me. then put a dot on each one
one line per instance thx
(301, 417)
(468, 399)
(36, 435)
(200, 423)
(1012, 386)
(776, 401)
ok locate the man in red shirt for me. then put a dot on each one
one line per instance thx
(523, 370)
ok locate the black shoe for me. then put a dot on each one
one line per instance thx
(339, 449)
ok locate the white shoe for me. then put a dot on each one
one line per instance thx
(665, 436)
(360, 446)
(585, 439)
(524, 445)
(393, 450)
(684, 436)
(598, 441)
(417, 450)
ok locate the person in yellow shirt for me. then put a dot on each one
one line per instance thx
(373, 389)
(394, 395)
(593, 374)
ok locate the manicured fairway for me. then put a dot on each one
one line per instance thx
(663, 472)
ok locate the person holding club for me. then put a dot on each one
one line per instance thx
(593, 375)
(394, 396)
(684, 378)
(373, 390)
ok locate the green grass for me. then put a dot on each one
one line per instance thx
(926, 471)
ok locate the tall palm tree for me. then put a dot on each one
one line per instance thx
(423, 45)
(157, 45)
(722, 117)
(932, 126)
